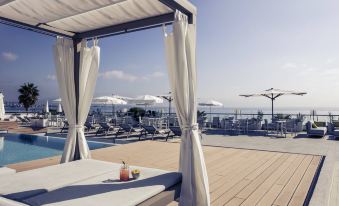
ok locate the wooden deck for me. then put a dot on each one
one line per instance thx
(14, 127)
(236, 176)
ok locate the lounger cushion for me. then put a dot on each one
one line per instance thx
(8, 202)
(6, 171)
(336, 133)
(319, 131)
(26, 184)
(107, 190)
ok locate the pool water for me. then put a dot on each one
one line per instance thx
(16, 148)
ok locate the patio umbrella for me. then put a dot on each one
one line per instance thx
(211, 103)
(59, 108)
(57, 100)
(273, 94)
(47, 107)
(109, 100)
(2, 106)
(146, 100)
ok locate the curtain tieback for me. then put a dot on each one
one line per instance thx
(190, 127)
(78, 127)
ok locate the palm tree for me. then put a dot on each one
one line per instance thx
(28, 95)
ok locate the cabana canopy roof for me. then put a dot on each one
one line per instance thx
(91, 18)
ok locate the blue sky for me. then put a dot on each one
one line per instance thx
(243, 46)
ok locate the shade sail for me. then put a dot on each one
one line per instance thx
(78, 16)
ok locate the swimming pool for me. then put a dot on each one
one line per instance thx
(16, 148)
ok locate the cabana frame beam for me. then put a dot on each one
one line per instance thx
(137, 25)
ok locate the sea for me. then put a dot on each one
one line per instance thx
(318, 113)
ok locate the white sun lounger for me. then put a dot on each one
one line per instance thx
(87, 182)
(8, 202)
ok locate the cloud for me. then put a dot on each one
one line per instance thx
(118, 74)
(51, 77)
(152, 75)
(9, 56)
(289, 65)
(121, 75)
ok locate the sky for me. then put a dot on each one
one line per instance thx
(243, 46)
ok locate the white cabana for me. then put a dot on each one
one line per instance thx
(47, 107)
(77, 65)
(180, 52)
(2, 106)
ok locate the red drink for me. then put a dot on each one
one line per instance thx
(124, 174)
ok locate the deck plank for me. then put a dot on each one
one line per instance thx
(236, 176)
(288, 191)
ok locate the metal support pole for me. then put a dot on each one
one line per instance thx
(272, 107)
(77, 96)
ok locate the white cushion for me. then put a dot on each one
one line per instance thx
(26, 184)
(7, 202)
(107, 190)
(6, 171)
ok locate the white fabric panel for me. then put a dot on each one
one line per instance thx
(80, 15)
(64, 63)
(43, 11)
(112, 15)
(89, 65)
(2, 106)
(180, 54)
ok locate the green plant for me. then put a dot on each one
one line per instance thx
(201, 115)
(136, 112)
(300, 117)
(260, 115)
(282, 116)
(29, 94)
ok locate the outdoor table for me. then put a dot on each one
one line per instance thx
(281, 124)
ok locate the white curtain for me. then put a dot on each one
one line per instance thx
(88, 71)
(180, 55)
(2, 106)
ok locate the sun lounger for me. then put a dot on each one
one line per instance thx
(129, 129)
(176, 131)
(313, 129)
(65, 127)
(104, 128)
(152, 130)
(89, 126)
(87, 183)
(23, 120)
